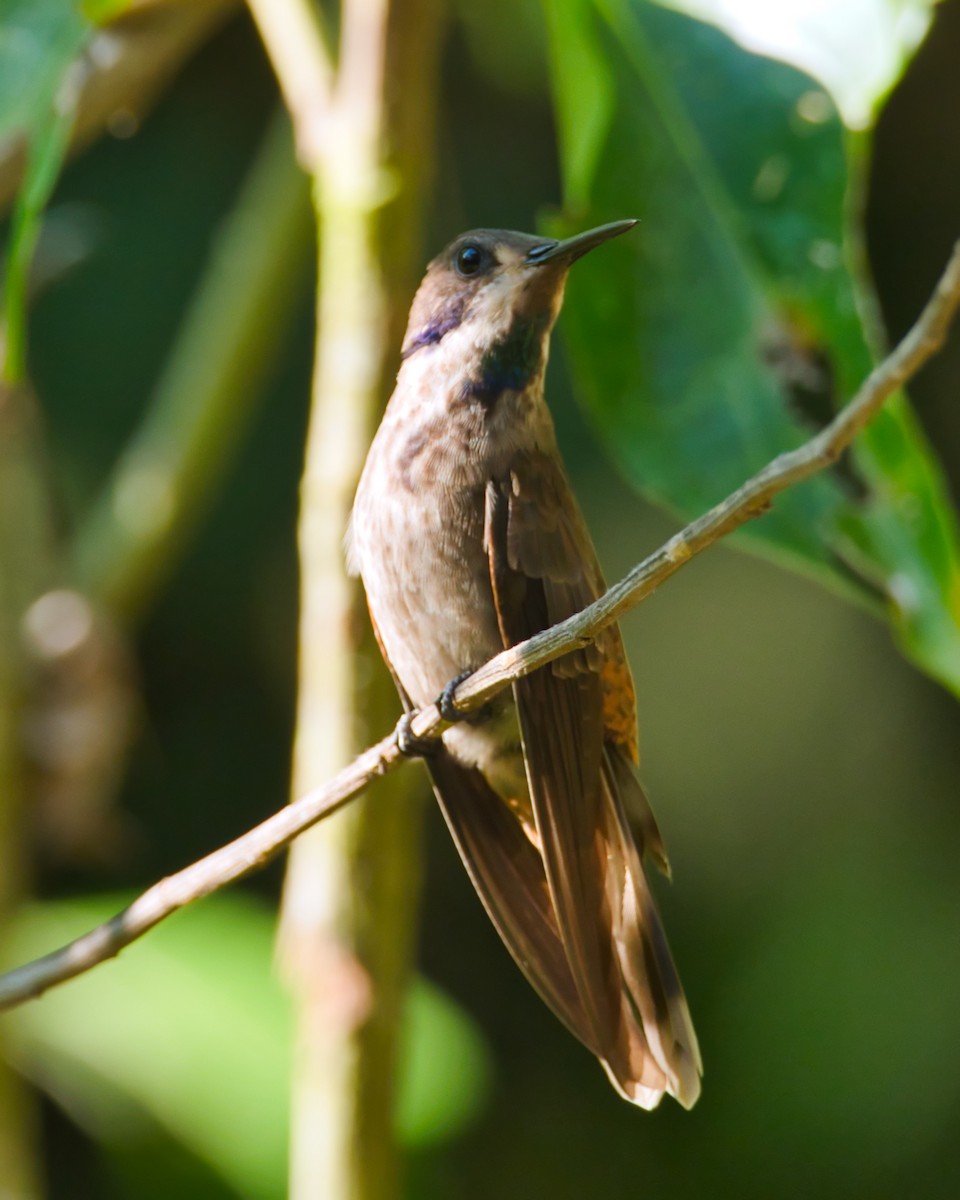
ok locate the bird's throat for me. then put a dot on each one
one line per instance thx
(510, 363)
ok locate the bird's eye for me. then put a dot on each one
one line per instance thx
(469, 259)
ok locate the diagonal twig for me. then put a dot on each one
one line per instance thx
(259, 845)
(294, 39)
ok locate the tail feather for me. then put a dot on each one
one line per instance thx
(663, 1054)
(636, 808)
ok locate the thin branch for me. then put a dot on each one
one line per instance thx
(261, 844)
(293, 37)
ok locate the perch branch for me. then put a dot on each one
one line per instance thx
(260, 844)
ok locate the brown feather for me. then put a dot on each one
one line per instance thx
(507, 872)
(606, 916)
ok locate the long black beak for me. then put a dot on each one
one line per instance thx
(570, 249)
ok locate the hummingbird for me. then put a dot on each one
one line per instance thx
(468, 538)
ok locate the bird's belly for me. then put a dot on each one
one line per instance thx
(427, 582)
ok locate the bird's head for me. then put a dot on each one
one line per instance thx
(492, 296)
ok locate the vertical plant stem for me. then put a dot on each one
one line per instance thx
(349, 907)
(26, 569)
(43, 166)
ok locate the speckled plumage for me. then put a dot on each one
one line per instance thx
(468, 538)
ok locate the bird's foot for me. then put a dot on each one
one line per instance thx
(447, 706)
(411, 746)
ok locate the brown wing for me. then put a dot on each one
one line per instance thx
(507, 873)
(547, 539)
(543, 569)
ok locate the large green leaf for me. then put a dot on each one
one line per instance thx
(691, 338)
(191, 1026)
(856, 48)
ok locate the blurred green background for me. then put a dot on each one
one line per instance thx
(805, 775)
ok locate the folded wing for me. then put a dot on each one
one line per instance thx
(577, 744)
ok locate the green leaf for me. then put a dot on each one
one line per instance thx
(191, 1026)
(692, 338)
(584, 111)
(39, 42)
(103, 11)
(856, 48)
(445, 1072)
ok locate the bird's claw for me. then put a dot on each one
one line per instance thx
(447, 705)
(411, 746)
